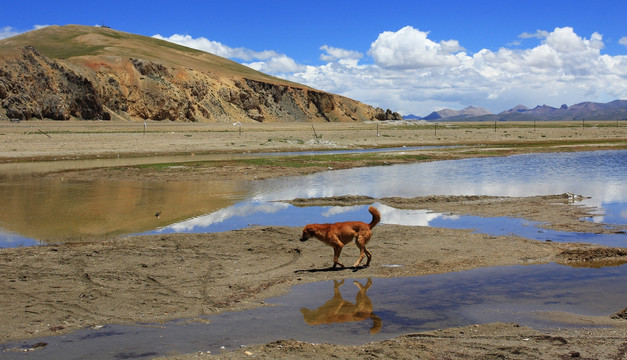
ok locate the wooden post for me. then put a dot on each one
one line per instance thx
(44, 133)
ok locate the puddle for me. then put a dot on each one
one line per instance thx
(281, 214)
(601, 175)
(54, 210)
(48, 210)
(357, 311)
(45, 210)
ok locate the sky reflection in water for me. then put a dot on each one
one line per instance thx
(602, 176)
(282, 214)
(389, 307)
(402, 305)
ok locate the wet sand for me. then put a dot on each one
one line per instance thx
(55, 289)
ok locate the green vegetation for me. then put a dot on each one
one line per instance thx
(162, 166)
(301, 161)
(69, 51)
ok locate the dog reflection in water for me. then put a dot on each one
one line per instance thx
(338, 310)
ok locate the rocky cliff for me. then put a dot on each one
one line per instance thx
(78, 72)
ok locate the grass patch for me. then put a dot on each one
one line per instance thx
(335, 160)
(163, 166)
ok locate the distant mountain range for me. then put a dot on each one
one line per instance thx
(614, 110)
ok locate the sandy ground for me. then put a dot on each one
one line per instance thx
(55, 289)
(54, 140)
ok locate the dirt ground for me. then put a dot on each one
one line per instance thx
(487, 341)
(59, 288)
(57, 140)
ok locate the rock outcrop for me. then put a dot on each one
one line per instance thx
(110, 86)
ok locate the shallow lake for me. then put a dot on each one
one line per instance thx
(357, 311)
(55, 210)
(599, 176)
(34, 211)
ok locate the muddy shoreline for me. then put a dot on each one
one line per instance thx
(56, 289)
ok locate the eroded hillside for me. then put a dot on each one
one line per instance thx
(96, 73)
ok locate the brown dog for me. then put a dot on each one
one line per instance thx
(339, 234)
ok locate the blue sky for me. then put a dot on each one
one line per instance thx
(409, 56)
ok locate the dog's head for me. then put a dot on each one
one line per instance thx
(308, 232)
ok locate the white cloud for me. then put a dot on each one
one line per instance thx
(9, 31)
(269, 61)
(412, 73)
(217, 48)
(410, 48)
(623, 40)
(539, 34)
(343, 56)
(279, 64)
(564, 40)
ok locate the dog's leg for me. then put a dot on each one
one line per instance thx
(362, 253)
(337, 249)
(369, 255)
(361, 256)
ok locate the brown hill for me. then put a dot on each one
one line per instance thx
(92, 73)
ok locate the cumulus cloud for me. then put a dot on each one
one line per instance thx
(279, 64)
(565, 40)
(413, 73)
(623, 40)
(410, 48)
(217, 48)
(267, 60)
(342, 56)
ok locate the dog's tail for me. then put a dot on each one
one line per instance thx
(376, 216)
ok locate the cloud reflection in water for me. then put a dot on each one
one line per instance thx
(242, 212)
(598, 175)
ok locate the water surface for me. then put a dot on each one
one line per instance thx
(600, 176)
(340, 313)
(54, 210)
(388, 307)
